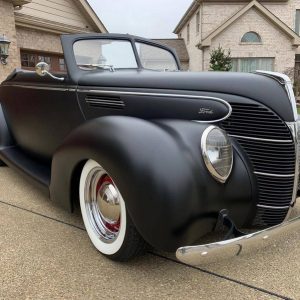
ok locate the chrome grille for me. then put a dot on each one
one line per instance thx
(275, 191)
(270, 217)
(271, 157)
(256, 121)
(270, 146)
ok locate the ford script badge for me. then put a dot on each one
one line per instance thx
(205, 111)
(211, 110)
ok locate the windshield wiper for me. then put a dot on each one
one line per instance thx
(98, 66)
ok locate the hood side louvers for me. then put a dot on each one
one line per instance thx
(103, 101)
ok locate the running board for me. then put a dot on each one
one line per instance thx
(17, 159)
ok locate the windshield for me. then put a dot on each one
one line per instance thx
(101, 53)
(119, 54)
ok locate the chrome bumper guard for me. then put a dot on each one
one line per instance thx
(209, 253)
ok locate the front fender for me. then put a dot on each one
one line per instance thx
(159, 170)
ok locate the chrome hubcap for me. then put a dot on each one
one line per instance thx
(102, 200)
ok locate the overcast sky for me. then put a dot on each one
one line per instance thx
(147, 18)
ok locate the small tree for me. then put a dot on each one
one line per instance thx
(220, 60)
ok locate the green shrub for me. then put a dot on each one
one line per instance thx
(220, 60)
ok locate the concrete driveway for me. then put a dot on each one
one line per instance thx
(46, 254)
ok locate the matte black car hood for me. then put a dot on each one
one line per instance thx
(252, 86)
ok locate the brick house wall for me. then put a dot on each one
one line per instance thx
(281, 49)
(31, 39)
(38, 25)
(194, 53)
(214, 15)
(8, 28)
(275, 43)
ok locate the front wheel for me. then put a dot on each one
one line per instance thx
(105, 216)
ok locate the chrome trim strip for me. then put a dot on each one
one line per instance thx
(273, 207)
(168, 96)
(260, 139)
(286, 81)
(274, 175)
(205, 254)
(36, 87)
(294, 130)
(136, 94)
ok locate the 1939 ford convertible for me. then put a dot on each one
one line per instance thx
(155, 156)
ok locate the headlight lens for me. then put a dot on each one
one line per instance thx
(217, 153)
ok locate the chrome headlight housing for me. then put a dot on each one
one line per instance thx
(217, 153)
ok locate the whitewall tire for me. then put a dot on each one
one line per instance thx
(104, 214)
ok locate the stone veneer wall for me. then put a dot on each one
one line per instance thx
(7, 27)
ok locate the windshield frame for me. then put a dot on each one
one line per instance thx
(74, 73)
(132, 41)
(158, 45)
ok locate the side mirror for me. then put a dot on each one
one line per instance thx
(42, 69)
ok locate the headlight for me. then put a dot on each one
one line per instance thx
(217, 153)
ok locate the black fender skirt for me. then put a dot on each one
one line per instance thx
(159, 170)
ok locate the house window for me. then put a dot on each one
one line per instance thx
(62, 65)
(43, 58)
(250, 64)
(188, 33)
(198, 22)
(297, 21)
(30, 59)
(251, 37)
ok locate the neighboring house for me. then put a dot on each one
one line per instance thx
(260, 34)
(180, 47)
(34, 28)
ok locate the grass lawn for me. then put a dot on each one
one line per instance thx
(298, 108)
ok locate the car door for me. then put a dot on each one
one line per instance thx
(40, 112)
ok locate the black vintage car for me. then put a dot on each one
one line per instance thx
(155, 156)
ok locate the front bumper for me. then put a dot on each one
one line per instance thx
(205, 254)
